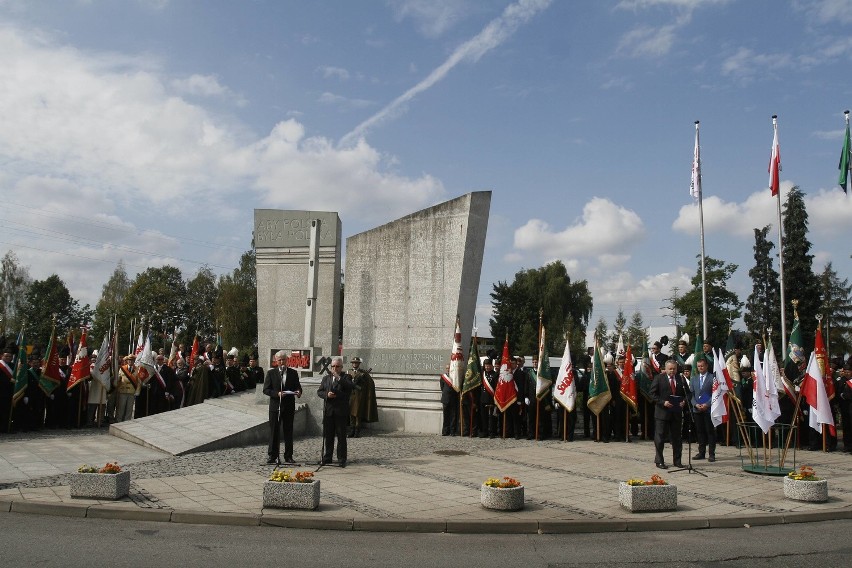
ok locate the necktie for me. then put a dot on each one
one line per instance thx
(701, 382)
(673, 385)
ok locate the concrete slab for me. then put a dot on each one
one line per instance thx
(125, 514)
(49, 508)
(208, 518)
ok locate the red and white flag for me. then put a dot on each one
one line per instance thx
(81, 369)
(628, 389)
(721, 386)
(456, 374)
(775, 161)
(506, 392)
(565, 392)
(813, 389)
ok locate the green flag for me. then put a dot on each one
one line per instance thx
(50, 377)
(599, 394)
(845, 162)
(473, 375)
(795, 349)
(543, 379)
(22, 371)
(697, 353)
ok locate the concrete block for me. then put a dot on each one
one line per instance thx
(496, 526)
(670, 524)
(582, 526)
(126, 514)
(47, 508)
(211, 518)
(400, 525)
(305, 522)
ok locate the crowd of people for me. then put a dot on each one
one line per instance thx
(541, 418)
(133, 391)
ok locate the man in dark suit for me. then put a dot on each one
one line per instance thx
(335, 389)
(668, 413)
(701, 386)
(282, 386)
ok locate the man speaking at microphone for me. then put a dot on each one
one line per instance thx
(335, 389)
(282, 386)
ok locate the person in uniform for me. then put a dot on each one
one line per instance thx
(97, 395)
(7, 387)
(173, 393)
(232, 373)
(362, 404)
(488, 423)
(218, 381)
(449, 405)
(515, 414)
(282, 386)
(255, 371)
(335, 389)
(199, 382)
(128, 387)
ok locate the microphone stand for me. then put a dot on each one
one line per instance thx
(689, 467)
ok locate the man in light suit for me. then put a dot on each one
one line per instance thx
(335, 389)
(668, 413)
(282, 386)
(701, 386)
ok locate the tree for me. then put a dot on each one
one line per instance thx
(620, 325)
(236, 304)
(800, 282)
(601, 332)
(112, 296)
(763, 308)
(836, 311)
(48, 297)
(201, 297)
(722, 304)
(566, 308)
(15, 281)
(158, 295)
(636, 334)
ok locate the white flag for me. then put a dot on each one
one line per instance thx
(565, 392)
(718, 404)
(457, 361)
(695, 183)
(760, 411)
(103, 364)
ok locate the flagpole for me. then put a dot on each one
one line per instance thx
(780, 245)
(697, 173)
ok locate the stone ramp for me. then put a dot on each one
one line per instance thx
(219, 423)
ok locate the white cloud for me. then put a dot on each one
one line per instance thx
(647, 41)
(826, 11)
(343, 102)
(604, 229)
(432, 17)
(329, 72)
(746, 64)
(205, 86)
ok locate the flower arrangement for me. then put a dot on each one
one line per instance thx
(110, 467)
(805, 473)
(655, 480)
(504, 483)
(287, 476)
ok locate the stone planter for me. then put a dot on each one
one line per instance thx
(283, 495)
(100, 485)
(642, 498)
(502, 498)
(811, 491)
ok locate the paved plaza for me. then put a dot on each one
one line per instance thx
(411, 482)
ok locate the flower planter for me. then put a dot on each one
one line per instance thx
(100, 485)
(811, 491)
(647, 498)
(283, 495)
(502, 498)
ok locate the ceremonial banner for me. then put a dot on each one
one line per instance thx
(775, 163)
(566, 384)
(456, 374)
(599, 394)
(628, 382)
(50, 377)
(473, 374)
(813, 389)
(764, 403)
(103, 364)
(845, 161)
(542, 376)
(81, 369)
(22, 371)
(721, 386)
(506, 392)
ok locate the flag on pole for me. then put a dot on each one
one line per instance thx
(695, 184)
(775, 161)
(566, 385)
(599, 393)
(721, 386)
(103, 364)
(22, 371)
(140, 343)
(473, 374)
(813, 389)
(50, 377)
(697, 354)
(542, 379)
(173, 355)
(845, 161)
(145, 361)
(628, 381)
(822, 359)
(81, 369)
(456, 374)
(506, 392)
(193, 354)
(765, 396)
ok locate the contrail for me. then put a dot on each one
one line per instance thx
(495, 33)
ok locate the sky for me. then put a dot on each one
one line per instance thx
(148, 131)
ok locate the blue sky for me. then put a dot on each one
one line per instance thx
(149, 130)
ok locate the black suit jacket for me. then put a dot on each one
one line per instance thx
(272, 385)
(661, 390)
(339, 404)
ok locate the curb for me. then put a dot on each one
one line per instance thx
(544, 526)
